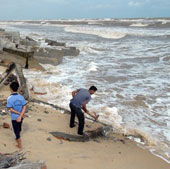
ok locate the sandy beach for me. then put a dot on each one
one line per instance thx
(39, 144)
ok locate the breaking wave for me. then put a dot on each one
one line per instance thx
(139, 25)
(109, 34)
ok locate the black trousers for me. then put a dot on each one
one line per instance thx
(77, 111)
(17, 127)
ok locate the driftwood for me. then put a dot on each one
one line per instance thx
(69, 137)
(21, 78)
(5, 75)
(15, 161)
(51, 105)
(22, 81)
(29, 165)
(10, 160)
(89, 135)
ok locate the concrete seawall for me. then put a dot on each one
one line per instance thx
(11, 42)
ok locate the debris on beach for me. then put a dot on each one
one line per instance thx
(16, 161)
(89, 135)
(21, 78)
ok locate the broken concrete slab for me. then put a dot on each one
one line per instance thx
(29, 42)
(22, 81)
(19, 52)
(48, 55)
(71, 51)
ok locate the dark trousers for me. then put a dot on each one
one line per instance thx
(77, 111)
(17, 127)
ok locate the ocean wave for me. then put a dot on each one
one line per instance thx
(148, 35)
(110, 116)
(139, 25)
(89, 50)
(95, 22)
(163, 21)
(119, 33)
(98, 32)
(92, 67)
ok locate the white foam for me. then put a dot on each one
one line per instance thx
(110, 116)
(95, 23)
(160, 157)
(55, 93)
(164, 21)
(139, 25)
(92, 67)
(147, 137)
(109, 34)
(87, 49)
(137, 140)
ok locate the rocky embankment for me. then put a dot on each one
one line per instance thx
(29, 52)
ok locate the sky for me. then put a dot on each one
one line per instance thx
(76, 9)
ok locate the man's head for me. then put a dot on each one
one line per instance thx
(14, 86)
(92, 90)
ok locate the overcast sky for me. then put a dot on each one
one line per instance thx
(65, 9)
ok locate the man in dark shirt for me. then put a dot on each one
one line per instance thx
(80, 98)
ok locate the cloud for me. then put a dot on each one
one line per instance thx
(134, 4)
(138, 3)
(101, 6)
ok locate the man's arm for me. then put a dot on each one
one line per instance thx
(84, 108)
(86, 111)
(21, 114)
(74, 93)
(14, 111)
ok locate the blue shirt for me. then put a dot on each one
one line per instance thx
(15, 101)
(82, 96)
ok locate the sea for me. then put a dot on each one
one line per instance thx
(128, 60)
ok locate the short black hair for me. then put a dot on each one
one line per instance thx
(93, 88)
(14, 86)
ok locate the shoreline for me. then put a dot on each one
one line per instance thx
(39, 109)
(39, 144)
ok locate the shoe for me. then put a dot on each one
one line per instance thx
(71, 126)
(80, 133)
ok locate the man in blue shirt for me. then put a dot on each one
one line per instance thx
(17, 105)
(80, 98)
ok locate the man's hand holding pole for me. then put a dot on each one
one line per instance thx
(94, 115)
